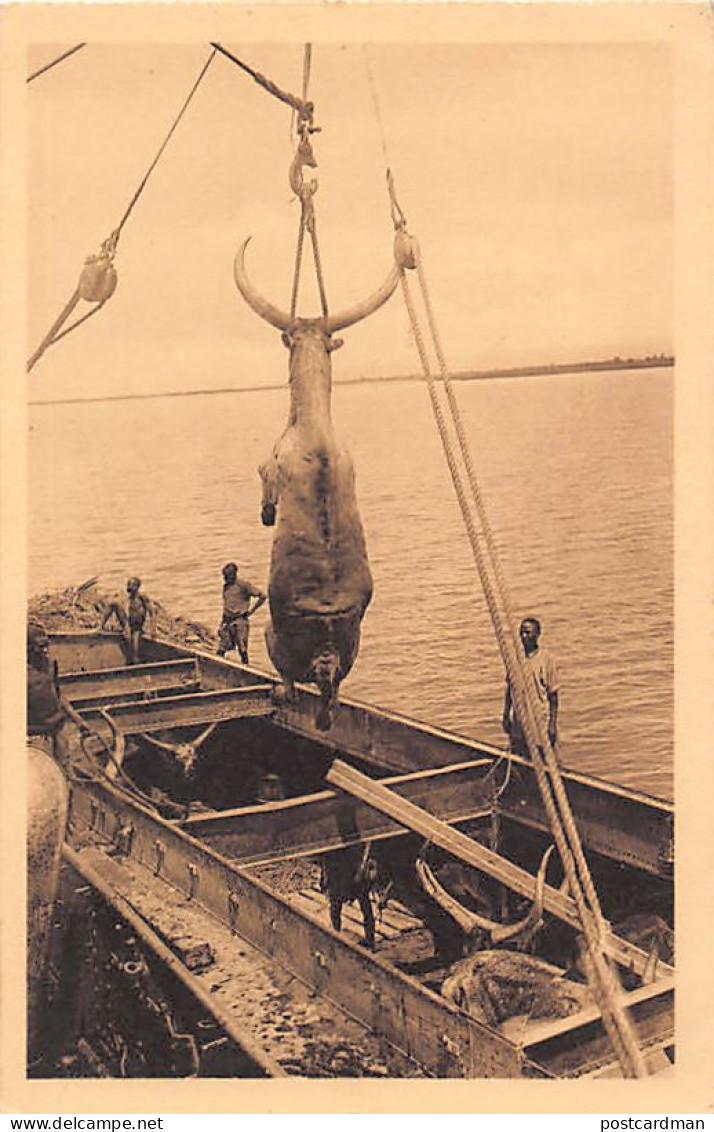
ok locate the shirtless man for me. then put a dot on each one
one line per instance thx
(542, 674)
(233, 630)
(139, 609)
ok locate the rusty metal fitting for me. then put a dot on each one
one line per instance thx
(193, 876)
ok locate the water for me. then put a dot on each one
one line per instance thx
(577, 475)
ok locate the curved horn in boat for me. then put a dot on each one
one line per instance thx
(469, 921)
(348, 318)
(260, 305)
(533, 919)
(465, 919)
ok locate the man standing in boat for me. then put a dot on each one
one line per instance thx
(541, 674)
(233, 630)
(132, 619)
(48, 711)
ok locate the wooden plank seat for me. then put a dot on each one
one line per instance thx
(108, 700)
(133, 681)
(187, 710)
(578, 1045)
(317, 823)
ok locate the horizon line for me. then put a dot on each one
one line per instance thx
(494, 374)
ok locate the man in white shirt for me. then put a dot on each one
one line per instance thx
(542, 677)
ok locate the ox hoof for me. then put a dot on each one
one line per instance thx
(267, 514)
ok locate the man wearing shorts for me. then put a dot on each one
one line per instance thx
(132, 619)
(237, 594)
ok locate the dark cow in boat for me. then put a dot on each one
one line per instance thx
(358, 872)
(320, 582)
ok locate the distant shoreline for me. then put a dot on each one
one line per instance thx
(610, 364)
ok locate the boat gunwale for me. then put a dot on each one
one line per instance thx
(450, 737)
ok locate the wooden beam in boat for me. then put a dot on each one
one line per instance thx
(130, 680)
(547, 1029)
(346, 778)
(329, 820)
(621, 824)
(188, 710)
(579, 1046)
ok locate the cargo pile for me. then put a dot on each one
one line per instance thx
(75, 608)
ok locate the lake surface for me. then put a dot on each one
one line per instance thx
(577, 474)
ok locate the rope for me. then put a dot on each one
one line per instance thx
(617, 1025)
(163, 145)
(48, 66)
(298, 265)
(306, 65)
(305, 192)
(318, 267)
(109, 247)
(600, 974)
(52, 332)
(502, 590)
(303, 107)
(78, 322)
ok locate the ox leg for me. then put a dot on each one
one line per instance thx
(325, 676)
(269, 503)
(336, 912)
(368, 919)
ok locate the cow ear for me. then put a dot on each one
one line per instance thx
(287, 340)
(334, 344)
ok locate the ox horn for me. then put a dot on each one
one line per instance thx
(469, 921)
(260, 305)
(347, 318)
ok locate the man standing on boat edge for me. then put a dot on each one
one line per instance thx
(132, 619)
(541, 671)
(233, 630)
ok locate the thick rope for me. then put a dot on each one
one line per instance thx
(496, 593)
(600, 975)
(502, 589)
(604, 990)
(59, 59)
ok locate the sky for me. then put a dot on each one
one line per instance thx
(538, 179)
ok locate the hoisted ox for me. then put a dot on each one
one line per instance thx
(320, 582)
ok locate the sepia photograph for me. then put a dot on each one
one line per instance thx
(350, 557)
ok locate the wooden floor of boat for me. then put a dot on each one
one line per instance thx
(390, 923)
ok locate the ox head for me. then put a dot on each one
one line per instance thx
(470, 922)
(323, 327)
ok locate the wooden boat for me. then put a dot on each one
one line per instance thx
(190, 912)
